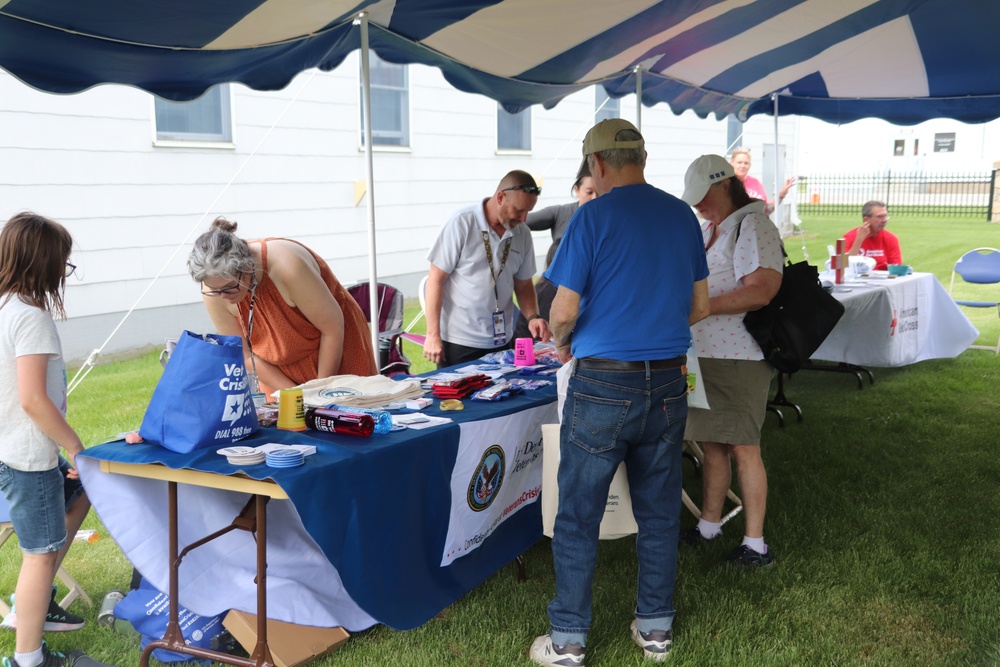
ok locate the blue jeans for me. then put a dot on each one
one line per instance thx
(612, 416)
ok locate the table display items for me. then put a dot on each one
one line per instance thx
(291, 410)
(203, 398)
(382, 418)
(340, 422)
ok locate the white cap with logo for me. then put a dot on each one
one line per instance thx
(702, 174)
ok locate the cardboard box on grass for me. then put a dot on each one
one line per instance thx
(290, 644)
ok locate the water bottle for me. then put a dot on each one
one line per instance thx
(338, 421)
(383, 420)
(106, 616)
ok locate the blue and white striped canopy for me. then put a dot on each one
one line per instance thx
(839, 60)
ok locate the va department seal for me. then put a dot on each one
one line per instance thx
(487, 479)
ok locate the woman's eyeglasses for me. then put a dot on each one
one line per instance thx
(70, 268)
(228, 291)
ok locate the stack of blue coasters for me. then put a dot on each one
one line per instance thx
(284, 458)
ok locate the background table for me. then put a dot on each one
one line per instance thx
(360, 541)
(895, 322)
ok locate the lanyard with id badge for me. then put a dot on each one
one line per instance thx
(499, 327)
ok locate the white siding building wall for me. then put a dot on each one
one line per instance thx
(134, 205)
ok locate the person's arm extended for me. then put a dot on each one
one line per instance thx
(31, 373)
(562, 318)
(527, 301)
(296, 274)
(542, 219)
(433, 298)
(699, 302)
(756, 292)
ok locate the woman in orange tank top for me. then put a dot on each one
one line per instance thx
(297, 321)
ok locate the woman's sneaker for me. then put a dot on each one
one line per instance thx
(51, 658)
(655, 645)
(544, 652)
(57, 619)
(747, 557)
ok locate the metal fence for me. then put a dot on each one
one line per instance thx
(959, 194)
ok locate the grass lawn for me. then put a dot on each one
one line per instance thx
(880, 515)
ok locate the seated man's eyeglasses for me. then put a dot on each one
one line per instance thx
(530, 189)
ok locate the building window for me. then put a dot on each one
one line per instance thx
(916, 146)
(734, 133)
(899, 147)
(605, 106)
(208, 118)
(390, 85)
(944, 142)
(513, 130)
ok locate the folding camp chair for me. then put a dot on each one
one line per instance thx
(980, 267)
(392, 359)
(422, 297)
(75, 590)
(693, 452)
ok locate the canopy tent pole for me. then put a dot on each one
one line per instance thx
(638, 98)
(366, 105)
(777, 191)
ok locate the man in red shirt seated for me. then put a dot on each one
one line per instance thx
(871, 239)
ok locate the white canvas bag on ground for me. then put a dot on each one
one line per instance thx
(618, 520)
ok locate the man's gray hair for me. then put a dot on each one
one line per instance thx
(219, 253)
(616, 158)
(870, 206)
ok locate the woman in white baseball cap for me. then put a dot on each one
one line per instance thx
(744, 254)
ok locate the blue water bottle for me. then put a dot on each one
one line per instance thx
(383, 420)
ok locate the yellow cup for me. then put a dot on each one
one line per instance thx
(291, 411)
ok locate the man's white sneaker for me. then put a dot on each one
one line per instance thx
(544, 652)
(655, 645)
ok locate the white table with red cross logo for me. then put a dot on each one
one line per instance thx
(895, 322)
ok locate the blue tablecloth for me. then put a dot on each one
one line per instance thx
(377, 508)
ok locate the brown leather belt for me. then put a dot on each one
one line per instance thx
(601, 364)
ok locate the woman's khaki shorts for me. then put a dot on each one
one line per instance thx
(737, 391)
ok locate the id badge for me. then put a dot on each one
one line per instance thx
(499, 332)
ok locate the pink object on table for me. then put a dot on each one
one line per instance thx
(524, 352)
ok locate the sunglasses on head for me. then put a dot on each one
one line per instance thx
(530, 189)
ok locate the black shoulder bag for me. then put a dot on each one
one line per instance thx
(798, 319)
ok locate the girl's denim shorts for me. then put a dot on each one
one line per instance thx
(38, 502)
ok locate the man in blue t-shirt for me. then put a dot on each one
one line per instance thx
(632, 278)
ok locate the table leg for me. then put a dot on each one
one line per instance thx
(253, 518)
(780, 400)
(842, 367)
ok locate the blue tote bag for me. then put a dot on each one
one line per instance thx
(203, 399)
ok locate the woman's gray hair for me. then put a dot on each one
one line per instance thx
(219, 253)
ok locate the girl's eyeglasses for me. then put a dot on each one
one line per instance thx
(70, 268)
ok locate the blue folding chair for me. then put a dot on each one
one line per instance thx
(979, 267)
(75, 590)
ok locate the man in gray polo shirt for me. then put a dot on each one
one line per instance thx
(482, 257)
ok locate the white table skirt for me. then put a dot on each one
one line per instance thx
(896, 322)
